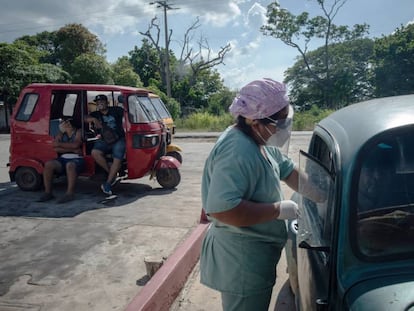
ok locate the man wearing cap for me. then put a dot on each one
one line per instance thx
(110, 117)
(242, 197)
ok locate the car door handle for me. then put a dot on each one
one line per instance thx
(306, 245)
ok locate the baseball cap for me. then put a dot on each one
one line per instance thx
(101, 97)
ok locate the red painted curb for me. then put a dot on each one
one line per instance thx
(161, 291)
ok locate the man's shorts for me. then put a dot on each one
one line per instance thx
(80, 164)
(117, 149)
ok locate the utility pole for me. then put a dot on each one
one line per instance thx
(166, 7)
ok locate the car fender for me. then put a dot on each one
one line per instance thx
(167, 162)
(172, 147)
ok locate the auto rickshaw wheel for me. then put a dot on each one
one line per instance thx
(168, 177)
(175, 154)
(28, 179)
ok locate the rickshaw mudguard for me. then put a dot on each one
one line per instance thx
(172, 147)
(167, 162)
(24, 162)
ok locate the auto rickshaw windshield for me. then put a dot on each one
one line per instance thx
(141, 110)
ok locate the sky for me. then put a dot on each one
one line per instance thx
(118, 24)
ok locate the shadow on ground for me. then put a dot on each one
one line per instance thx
(15, 202)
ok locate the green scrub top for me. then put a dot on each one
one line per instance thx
(241, 260)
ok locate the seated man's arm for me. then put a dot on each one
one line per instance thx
(68, 147)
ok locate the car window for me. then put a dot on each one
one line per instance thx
(26, 108)
(316, 186)
(385, 196)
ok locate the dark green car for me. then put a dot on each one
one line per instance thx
(354, 250)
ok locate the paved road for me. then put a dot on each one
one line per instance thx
(89, 254)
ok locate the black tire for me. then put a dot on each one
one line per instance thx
(175, 154)
(28, 179)
(168, 178)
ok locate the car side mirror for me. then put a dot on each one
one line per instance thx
(306, 245)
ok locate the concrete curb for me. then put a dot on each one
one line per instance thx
(161, 291)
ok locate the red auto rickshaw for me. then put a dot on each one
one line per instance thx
(35, 122)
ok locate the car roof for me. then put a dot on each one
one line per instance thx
(351, 127)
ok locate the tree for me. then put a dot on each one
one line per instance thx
(44, 43)
(191, 63)
(124, 74)
(74, 40)
(298, 31)
(145, 61)
(394, 62)
(350, 73)
(201, 60)
(19, 66)
(91, 68)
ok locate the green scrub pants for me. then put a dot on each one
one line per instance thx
(257, 302)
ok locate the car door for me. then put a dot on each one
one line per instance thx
(314, 239)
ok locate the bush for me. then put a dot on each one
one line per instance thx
(306, 120)
(205, 122)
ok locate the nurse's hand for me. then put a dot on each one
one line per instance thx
(288, 209)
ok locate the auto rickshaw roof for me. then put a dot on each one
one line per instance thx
(86, 87)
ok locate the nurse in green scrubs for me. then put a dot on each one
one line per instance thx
(242, 197)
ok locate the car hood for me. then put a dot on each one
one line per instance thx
(380, 294)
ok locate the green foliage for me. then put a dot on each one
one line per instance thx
(205, 121)
(394, 63)
(346, 69)
(124, 74)
(74, 40)
(298, 31)
(91, 68)
(220, 102)
(19, 66)
(350, 75)
(44, 43)
(145, 62)
(306, 120)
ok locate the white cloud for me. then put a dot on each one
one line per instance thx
(117, 23)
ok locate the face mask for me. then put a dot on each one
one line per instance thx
(281, 138)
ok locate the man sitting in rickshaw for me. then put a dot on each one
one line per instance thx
(108, 120)
(67, 144)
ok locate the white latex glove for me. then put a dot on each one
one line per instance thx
(288, 210)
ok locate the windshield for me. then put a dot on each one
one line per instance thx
(140, 109)
(385, 197)
(160, 107)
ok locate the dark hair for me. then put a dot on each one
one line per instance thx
(243, 126)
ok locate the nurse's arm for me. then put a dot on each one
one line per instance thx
(293, 180)
(248, 213)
